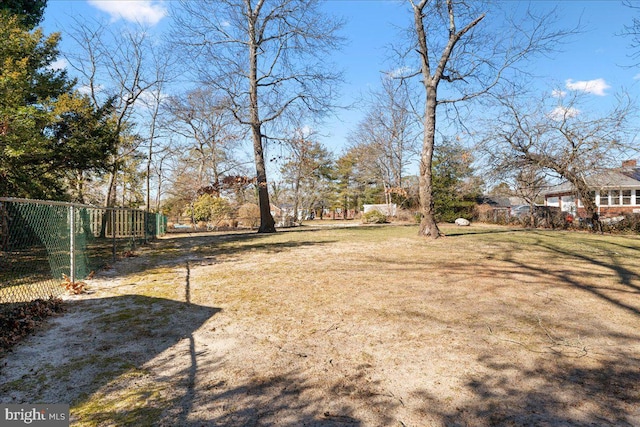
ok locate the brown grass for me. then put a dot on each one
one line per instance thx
(357, 326)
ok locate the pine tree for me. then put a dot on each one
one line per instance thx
(47, 130)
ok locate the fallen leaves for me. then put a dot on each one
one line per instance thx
(22, 319)
(73, 287)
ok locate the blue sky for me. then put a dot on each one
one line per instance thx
(591, 62)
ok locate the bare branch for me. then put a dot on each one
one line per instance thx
(269, 58)
(455, 48)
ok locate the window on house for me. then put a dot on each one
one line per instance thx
(626, 197)
(615, 197)
(604, 198)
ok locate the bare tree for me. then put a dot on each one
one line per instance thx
(210, 134)
(306, 168)
(527, 182)
(386, 138)
(455, 49)
(530, 182)
(269, 58)
(563, 140)
(156, 138)
(633, 32)
(160, 168)
(123, 65)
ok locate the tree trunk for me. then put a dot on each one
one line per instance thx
(532, 216)
(296, 199)
(267, 223)
(589, 204)
(109, 200)
(428, 225)
(80, 186)
(148, 177)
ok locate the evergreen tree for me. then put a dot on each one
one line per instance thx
(47, 131)
(454, 190)
(29, 12)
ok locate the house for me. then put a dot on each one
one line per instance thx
(502, 202)
(616, 191)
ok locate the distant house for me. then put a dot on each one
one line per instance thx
(616, 192)
(502, 202)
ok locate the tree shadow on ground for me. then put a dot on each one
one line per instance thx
(284, 399)
(136, 360)
(97, 342)
(174, 250)
(571, 383)
(606, 258)
(561, 265)
(461, 232)
(289, 400)
(554, 393)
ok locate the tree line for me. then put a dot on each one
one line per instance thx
(120, 132)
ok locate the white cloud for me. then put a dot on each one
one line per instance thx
(399, 72)
(59, 64)
(560, 112)
(86, 90)
(143, 11)
(149, 99)
(557, 93)
(636, 77)
(306, 130)
(595, 87)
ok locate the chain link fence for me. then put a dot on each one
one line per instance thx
(45, 245)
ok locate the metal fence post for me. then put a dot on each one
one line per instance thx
(113, 233)
(72, 244)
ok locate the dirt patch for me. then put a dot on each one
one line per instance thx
(361, 326)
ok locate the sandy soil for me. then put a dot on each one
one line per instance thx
(189, 341)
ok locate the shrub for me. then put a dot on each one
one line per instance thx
(489, 214)
(629, 224)
(248, 215)
(211, 208)
(454, 210)
(374, 217)
(405, 215)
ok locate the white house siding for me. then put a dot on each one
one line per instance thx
(568, 204)
(553, 201)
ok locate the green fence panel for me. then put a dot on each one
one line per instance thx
(45, 244)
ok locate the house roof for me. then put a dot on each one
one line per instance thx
(498, 201)
(609, 179)
(495, 201)
(613, 179)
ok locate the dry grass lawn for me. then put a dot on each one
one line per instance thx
(356, 326)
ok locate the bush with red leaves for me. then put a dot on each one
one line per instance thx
(19, 321)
